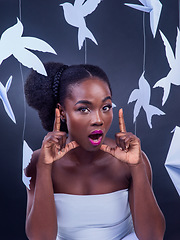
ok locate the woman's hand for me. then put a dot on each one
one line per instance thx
(128, 147)
(54, 144)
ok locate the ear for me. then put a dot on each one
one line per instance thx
(62, 112)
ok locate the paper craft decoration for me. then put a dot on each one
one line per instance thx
(113, 105)
(172, 162)
(174, 64)
(27, 153)
(4, 98)
(153, 7)
(12, 43)
(142, 97)
(75, 14)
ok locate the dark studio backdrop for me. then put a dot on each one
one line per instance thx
(123, 43)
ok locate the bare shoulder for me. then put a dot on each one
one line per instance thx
(30, 170)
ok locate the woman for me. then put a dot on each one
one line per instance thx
(84, 185)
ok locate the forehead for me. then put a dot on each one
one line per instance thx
(90, 88)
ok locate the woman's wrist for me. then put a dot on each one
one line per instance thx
(137, 169)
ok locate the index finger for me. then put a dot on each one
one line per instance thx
(57, 120)
(122, 125)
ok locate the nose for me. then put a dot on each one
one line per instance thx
(97, 119)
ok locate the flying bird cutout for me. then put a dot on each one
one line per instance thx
(174, 64)
(142, 97)
(172, 162)
(153, 7)
(12, 43)
(27, 153)
(75, 14)
(4, 98)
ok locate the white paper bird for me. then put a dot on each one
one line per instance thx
(174, 64)
(153, 7)
(4, 98)
(12, 43)
(27, 153)
(172, 162)
(74, 15)
(142, 97)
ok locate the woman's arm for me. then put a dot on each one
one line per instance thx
(41, 220)
(149, 222)
(148, 219)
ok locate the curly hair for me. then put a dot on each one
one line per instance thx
(43, 93)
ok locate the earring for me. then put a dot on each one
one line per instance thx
(63, 119)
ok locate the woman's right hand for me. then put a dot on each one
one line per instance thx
(54, 144)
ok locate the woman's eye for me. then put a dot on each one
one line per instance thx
(83, 110)
(107, 108)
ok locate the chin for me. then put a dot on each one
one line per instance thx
(90, 148)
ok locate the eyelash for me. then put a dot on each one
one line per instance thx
(107, 106)
(83, 109)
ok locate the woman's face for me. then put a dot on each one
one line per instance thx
(88, 113)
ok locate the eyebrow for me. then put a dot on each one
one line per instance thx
(90, 103)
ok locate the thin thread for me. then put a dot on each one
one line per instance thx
(144, 42)
(24, 102)
(22, 81)
(20, 10)
(144, 59)
(85, 51)
(135, 127)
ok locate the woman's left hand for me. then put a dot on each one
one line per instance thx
(128, 147)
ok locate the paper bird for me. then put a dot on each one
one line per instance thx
(142, 97)
(113, 105)
(27, 153)
(12, 43)
(153, 7)
(172, 162)
(4, 98)
(174, 61)
(74, 15)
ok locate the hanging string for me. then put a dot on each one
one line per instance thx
(22, 80)
(144, 42)
(144, 59)
(20, 10)
(85, 51)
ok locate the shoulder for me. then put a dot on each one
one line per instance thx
(30, 170)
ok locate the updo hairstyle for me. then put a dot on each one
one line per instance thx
(43, 93)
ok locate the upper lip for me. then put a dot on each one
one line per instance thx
(96, 132)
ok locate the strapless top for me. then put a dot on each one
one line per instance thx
(96, 217)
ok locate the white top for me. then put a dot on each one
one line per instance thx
(93, 217)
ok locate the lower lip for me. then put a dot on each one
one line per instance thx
(95, 142)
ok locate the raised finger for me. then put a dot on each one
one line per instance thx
(67, 148)
(57, 120)
(122, 126)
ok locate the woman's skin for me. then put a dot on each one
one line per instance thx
(79, 165)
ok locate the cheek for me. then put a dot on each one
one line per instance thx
(108, 120)
(75, 124)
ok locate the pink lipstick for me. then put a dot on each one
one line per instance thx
(95, 137)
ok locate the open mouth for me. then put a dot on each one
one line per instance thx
(95, 137)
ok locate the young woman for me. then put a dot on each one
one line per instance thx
(84, 185)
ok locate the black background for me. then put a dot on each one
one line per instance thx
(118, 30)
